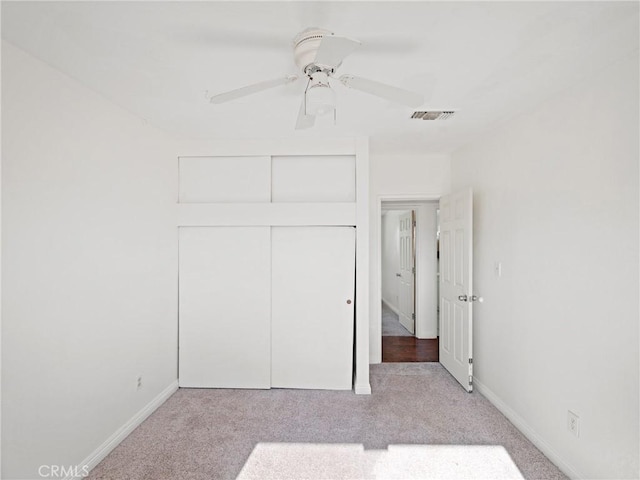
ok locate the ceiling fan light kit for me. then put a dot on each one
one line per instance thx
(318, 53)
(320, 99)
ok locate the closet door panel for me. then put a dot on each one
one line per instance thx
(313, 276)
(225, 302)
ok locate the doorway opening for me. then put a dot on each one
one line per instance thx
(409, 281)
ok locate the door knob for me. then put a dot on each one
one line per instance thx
(348, 302)
(472, 298)
(398, 274)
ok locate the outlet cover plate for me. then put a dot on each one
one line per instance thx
(573, 423)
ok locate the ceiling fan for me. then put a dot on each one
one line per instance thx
(318, 53)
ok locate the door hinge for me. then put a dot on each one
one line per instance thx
(413, 270)
(413, 316)
(471, 361)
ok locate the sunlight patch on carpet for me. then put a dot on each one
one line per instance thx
(312, 461)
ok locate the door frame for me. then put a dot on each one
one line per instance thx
(406, 202)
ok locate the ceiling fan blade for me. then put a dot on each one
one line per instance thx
(334, 49)
(304, 120)
(251, 89)
(393, 94)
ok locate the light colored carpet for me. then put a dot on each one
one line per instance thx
(278, 461)
(391, 326)
(215, 433)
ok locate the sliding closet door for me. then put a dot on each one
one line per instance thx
(225, 301)
(313, 281)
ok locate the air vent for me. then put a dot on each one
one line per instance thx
(433, 115)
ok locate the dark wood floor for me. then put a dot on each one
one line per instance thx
(409, 349)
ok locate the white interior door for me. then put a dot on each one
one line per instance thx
(313, 280)
(456, 289)
(406, 278)
(225, 302)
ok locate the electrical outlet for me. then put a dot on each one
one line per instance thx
(139, 382)
(573, 423)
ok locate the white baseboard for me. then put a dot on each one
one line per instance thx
(393, 308)
(114, 440)
(429, 335)
(527, 431)
(361, 388)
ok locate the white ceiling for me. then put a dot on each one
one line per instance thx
(487, 60)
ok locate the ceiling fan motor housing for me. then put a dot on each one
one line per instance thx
(305, 47)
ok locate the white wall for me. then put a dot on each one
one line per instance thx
(0, 290)
(556, 202)
(89, 267)
(412, 175)
(398, 177)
